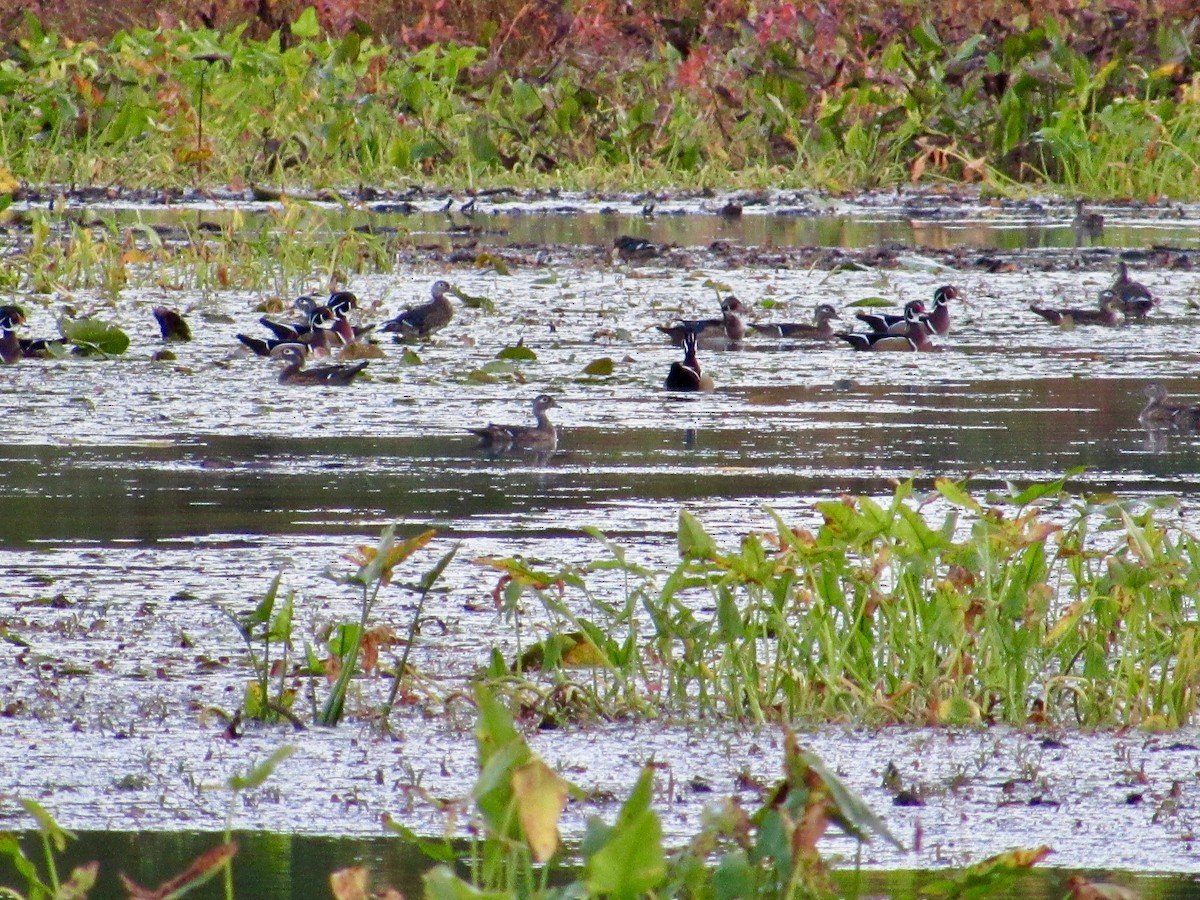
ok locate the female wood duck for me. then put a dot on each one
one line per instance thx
(542, 437)
(1136, 299)
(938, 321)
(686, 375)
(292, 331)
(730, 327)
(1160, 410)
(422, 321)
(890, 323)
(171, 324)
(820, 329)
(1086, 223)
(915, 339)
(11, 318)
(1109, 313)
(294, 372)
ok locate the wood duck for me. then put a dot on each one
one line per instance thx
(686, 375)
(292, 331)
(916, 338)
(730, 327)
(294, 372)
(13, 347)
(1160, 410)
(1109, 313)
(11, 318)
(422, 321)
(820, 329)
(890, 323)
(1086, 223)
(629, 248)
(320, 336)
(171, 324)
(542, 437)
(938, 321)
(1136, 299)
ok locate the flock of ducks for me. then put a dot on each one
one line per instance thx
(326, 327)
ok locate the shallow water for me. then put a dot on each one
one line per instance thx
(138, 495)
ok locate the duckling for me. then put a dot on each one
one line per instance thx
(820, 329)
(686, 375)
(422, 321)
(295, 373)
(542, 437)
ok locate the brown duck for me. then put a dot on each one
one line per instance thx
(916, 338)
(295, 373)
(1136, 299)
(542, 437)
(1109, 313)
(422, 321)
(1160, 410)
(820, 329)
(730, 327)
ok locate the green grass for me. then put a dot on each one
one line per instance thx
(174, 108)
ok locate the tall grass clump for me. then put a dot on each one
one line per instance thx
(1032, 606)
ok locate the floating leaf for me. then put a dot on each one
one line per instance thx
(518, 352)
(492, 261)
(410, 358)
(473, 302)
(94, 336)
(872, 302)
(602, 366)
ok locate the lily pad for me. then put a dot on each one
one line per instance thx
(94, 336)
(601, 366)
(517, 352)
(872, 302)
(472, 302)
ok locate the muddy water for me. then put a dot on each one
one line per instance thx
(140, 495)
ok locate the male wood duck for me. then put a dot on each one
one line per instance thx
(890, 323)
(319, 337)
(11, 318)
(1161, 411)
(171, 324)
(629, 248)
(915, 339)
(938, 321)
(542, 437)
(820, 329)
(1136, 299)
(13, 347)
(686, 375)
(1109, 313)
(294, 372)
(730, 327)
(422, 321)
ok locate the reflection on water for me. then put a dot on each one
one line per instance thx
(287, 867)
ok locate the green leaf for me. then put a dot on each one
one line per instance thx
(260, 773)
(92, 335)
(694, 541)
(306, 24)
(956, 494)
(872, 302)
(630, 862)
(517, 352)
(442, 884)
(47, 826)
(601, 366)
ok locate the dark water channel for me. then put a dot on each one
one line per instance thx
(138, 494)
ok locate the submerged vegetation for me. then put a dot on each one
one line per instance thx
(1083, 98)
